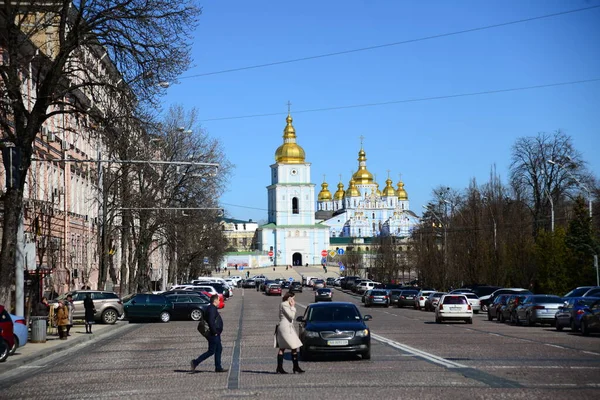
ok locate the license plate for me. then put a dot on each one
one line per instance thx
(337, 343)
(455, 308)
(409, 298)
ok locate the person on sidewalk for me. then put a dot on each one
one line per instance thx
(71, 308)
(90, 310)
(62, 320)
(285, 333)
(42, 309)
(215, 324)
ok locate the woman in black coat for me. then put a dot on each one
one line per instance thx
(90, 310)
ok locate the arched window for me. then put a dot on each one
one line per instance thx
(295, 209)
(373, 215)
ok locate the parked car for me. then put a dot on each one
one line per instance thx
(7, 337)
(493, 310)
(363, 286)
(538, 308)
(143, 306)
(570, 313)
(489, 299)
(20, 332)
(274, 289)
(248, 283)
(421, 298)
(474, 301)
(590, 320)
(348, 282)
(335, 327)
(330, 281)
(296, 287)
(394, 295)
(188, 306)
(323, 294)
(407, 298)
(433, 300)
(108, 305)
(509, 310)
(377, 297)
(318, 284)
(584, 291)
(454, 307)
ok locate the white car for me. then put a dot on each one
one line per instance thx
(454, 307)
(363, 286)
(473, 301)
(421, 297)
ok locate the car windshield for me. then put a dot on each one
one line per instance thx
(335, 313)
(395, 292)
(577, 292)
(320, 291)
(410, 292)
(378, 293)
(548, 299)
(455, 300)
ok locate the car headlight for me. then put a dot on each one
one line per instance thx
(362, 333)
(311, 334)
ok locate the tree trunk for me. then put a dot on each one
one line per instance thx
(13, 201)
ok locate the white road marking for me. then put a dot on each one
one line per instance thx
(494, 334)
(32, 366)
(592, 353)
(554, 345)
(419, 353)
(538, 367)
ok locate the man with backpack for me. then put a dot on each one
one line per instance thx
(215, 326)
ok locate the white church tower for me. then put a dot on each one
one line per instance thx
(291, 232)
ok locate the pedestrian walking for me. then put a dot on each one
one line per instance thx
(285, 333)
(215, 325)
(71, 308)
(90, 310)
(62, 320)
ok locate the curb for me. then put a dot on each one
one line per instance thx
(43, 353)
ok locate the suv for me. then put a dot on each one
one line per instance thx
(108, 305)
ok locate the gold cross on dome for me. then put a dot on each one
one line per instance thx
(340, 177)
(361, 141)
(289, 104)
(388, 171)
(324, 177)
(400, 175)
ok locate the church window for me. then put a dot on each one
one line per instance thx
(295, 209)
(373, 215)
(236, 227)
(403, 206)
(359, 232)
(366, 249)
(244, 226)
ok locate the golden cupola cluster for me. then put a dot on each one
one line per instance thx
(289, 152)
(340, 193)
(388, 191)
(324, 194)
(352, 189)
(402, 195)
(362, 176)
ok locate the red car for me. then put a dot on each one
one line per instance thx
(7, 339)
(273, 290)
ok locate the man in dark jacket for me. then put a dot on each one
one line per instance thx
(215, 324)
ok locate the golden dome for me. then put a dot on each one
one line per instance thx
(352, 190)
(362, 176)
(324, 194)
(339, 195)
(289, 152)
(401, 192)
(389, 189)
(377, 189)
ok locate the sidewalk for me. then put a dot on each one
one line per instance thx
(35, 351)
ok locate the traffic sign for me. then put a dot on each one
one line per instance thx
(342, 268)
(241, 268)
(332, 253)
(340, 252)
(270, 254)
(290, 279)
(323, 260)
(205, 260)
(324, 253)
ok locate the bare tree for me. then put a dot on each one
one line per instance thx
(75, 56)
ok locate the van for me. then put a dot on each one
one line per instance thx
(308, 280)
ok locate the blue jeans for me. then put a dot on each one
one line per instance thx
(214, 348)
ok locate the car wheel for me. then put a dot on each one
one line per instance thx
(15, 346)
(573, 326)
(476, 312)
(484, 308)
(196, 315)
(366, 355)
(165, 316)
(4, 350)
(584, 328)
(110, 316)
(304, 355)
(490, 318)
(557, 325)
(501, 318)
(517, 320)
(530, 322)
(470, 321)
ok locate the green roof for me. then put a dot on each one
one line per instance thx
(275, 226)
(348, 240)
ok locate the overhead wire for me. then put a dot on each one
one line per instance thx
(379, 46)
(383, 103)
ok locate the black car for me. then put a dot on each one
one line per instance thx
(590, 320)
(144, 306)
(188, 306)
(335, 327)
(285, 285)
(296, 287)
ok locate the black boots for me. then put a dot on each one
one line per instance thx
(296, 366)
(280, 369)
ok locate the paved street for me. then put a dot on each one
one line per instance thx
(412, 358)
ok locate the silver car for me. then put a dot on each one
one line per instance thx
(538, 308)
(108, 305)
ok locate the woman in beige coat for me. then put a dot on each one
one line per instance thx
(286, 336)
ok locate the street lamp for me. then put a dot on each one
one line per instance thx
(445, 231)
(551, 208)
(486, 201)
(581, 185)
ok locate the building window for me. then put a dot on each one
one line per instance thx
(373, 215)
(295, 209)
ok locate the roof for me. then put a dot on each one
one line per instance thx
(237, 221)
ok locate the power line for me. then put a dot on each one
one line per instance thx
(450, 96)
(379, 46)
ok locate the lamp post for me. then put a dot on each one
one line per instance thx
(486, 201)
(581, 185)
(445, 232)
(551, 209)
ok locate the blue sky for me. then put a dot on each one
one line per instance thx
(431, 143)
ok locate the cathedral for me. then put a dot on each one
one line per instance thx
(363, 210)
(296, 234)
